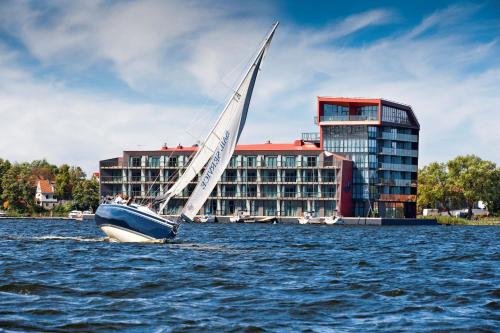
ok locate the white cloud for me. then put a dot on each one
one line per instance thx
(198, 49)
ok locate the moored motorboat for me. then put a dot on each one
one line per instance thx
(310, 218)
(334, 220)
(75, 214)
(208, 218)
(242, 216)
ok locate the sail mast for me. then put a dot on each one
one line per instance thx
(227, 131)
(212, 141)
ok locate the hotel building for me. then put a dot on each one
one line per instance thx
(363, 161)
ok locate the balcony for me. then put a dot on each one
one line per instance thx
(398, 167)
(399, 152)
(111, 179)
(398, 197)
(346, 118)
(397, 182)
(310, 137)
(291, 179)
(399, 137)
(268, 179)
(268, 194)
(229, 179)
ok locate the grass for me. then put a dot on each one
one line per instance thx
(461, 221)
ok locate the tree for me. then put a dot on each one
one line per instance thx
(86, 194)
(4, 167)
(472, 179)
(493, 199)
(434, 187)
(67, 177)
(43, 169)
(19, 187)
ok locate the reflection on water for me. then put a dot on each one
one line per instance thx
(66, 276)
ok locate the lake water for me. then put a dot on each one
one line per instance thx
(63, 276)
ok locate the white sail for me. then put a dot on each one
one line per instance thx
(234, 114)
(227, 132)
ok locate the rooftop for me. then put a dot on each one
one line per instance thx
(297, 145)
(45, 186)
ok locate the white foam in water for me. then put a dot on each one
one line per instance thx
(74, 238)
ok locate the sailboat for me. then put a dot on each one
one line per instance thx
(138, 223)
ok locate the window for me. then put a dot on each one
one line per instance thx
(233, 162)
(369, 112)
(135, 162)
(335, 112)
(154, 162)
(289, 161)
(311, 161)
(172, 161)
(394, 115)
(250, 161)
(271, 161)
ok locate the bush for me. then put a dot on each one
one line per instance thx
(63, 209)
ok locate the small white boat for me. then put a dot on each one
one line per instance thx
(334, 220)
(242, 216)
(2, 213)
(75, 214)
(207, 218)
(310, 218)
(88, 215)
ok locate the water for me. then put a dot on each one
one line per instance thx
(63, 276)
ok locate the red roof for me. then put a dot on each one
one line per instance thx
(298, 145)
(45, 186)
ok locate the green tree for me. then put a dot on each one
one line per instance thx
(86, 194)
(493, 199)
(66, 179)
(434, 187)
(4, 167)
(19, 187)
(472, 179)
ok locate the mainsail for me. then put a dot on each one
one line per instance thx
(221, 141)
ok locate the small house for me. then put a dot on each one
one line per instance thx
(44, 196)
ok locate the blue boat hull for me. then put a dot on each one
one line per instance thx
(126, 223)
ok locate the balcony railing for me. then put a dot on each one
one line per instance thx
(229, 179)
(268, 194)
(268, 178)
(111, 179)
(398, 167)
(399, 152)
(397, 182)
(399, 137)
(311, 137)
(309, 179)
(349, 118)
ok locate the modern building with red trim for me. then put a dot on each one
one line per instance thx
(362, 162)
(381, 138)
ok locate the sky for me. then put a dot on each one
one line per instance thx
(81, 81)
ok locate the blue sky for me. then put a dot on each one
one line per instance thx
(82, 81)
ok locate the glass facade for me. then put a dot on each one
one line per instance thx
(267, 183)
(334, 112)
(385, 159)
(394, 115)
